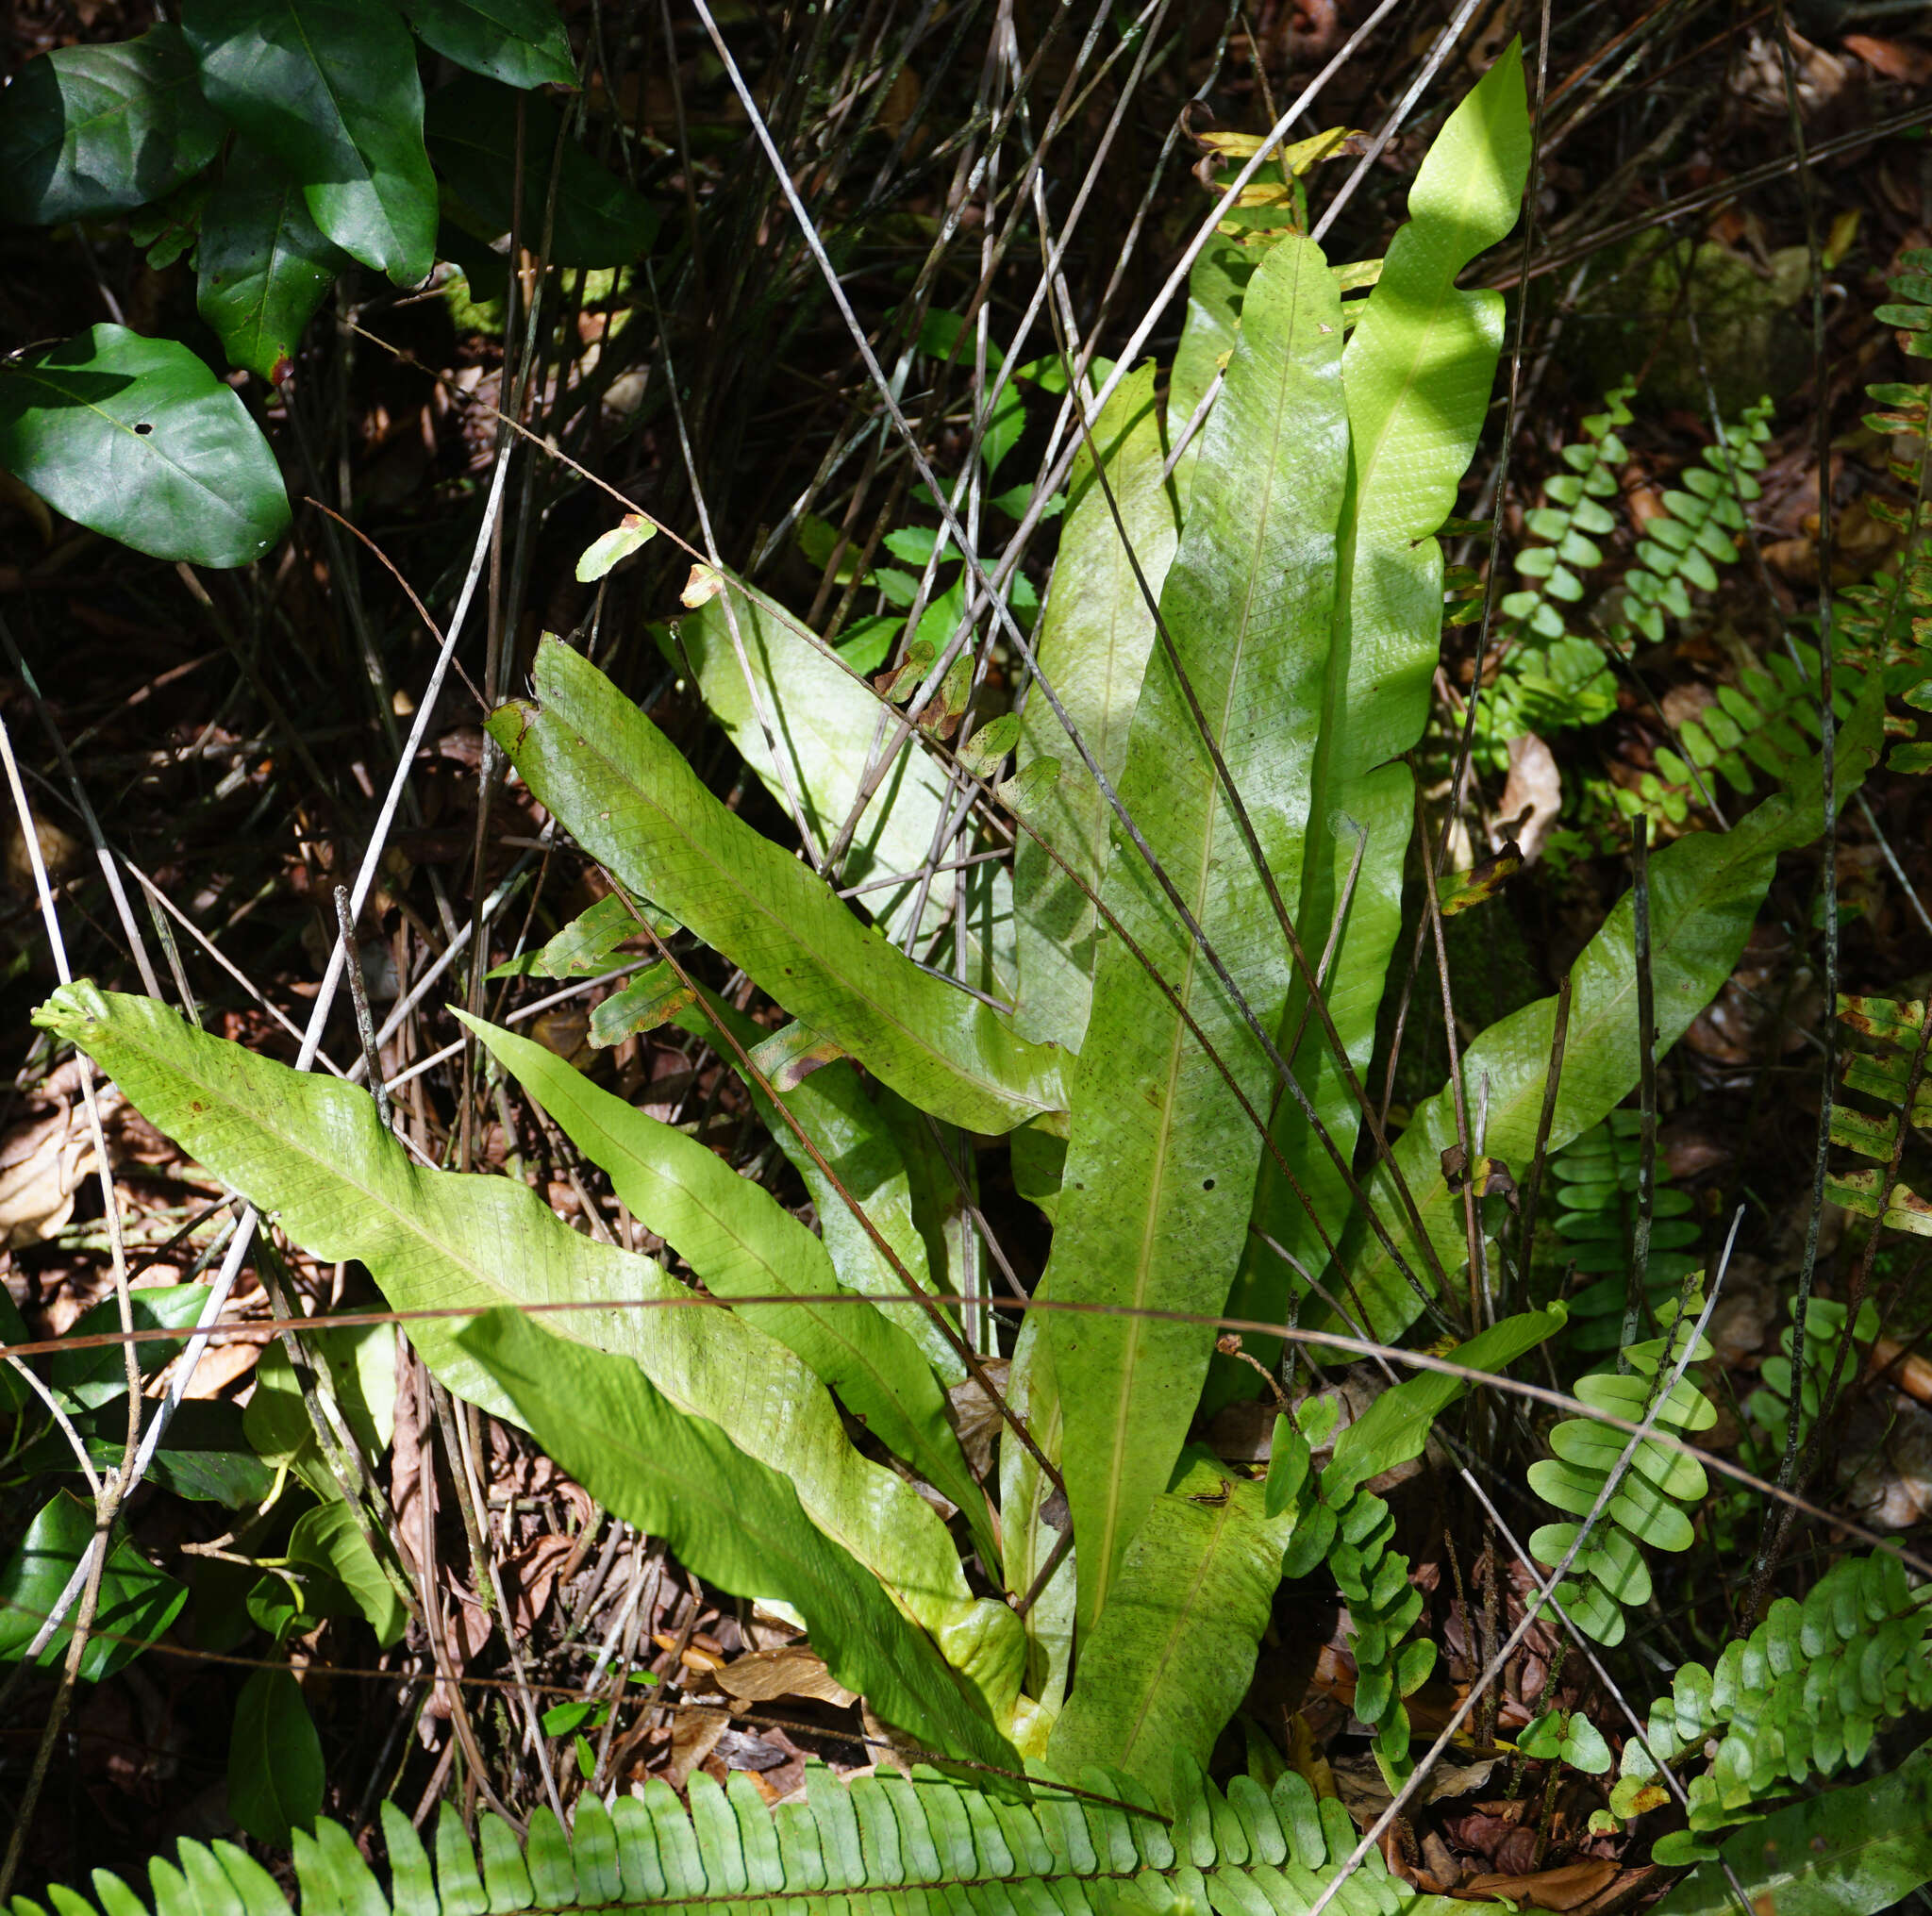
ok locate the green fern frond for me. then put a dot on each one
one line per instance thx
(1885, 1033)
(1552, 678)
(1698, 529)
(1888, 617)
(1594, 1203)
(1352, 1536)
(1804, 1694)
(1769, 1406)
(1609, 1575)
(881, 1846)
(1765, 724)
(1572, 524)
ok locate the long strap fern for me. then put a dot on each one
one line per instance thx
(880, 1845)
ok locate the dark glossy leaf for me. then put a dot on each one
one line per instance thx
(472, 125)
(137, 1602)
(265, 265)
(87, 1379)
(330, 87)
(520, 42)
(136, 439)
(275, 1773)
(14, 1391)
(87, 130)
(204, 1456)
(328, 1538)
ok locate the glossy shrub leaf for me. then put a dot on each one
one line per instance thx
(1093, 644)
(1159, 1173)
(314, 1150)
(631, 800)
(136, 439)
(264, 265)
(731, 1519)
(471, 128)
(87, 1379)
(275, 1773)
(136, 1601)
(1173, 1653)
(328, 1538)
(88, 130)
(1418, 372)
(740, 1241)
(520, 42)
(330, 87)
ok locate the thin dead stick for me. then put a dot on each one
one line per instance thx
(221, 1288)
(1827, 746)
(257, 1329)
(110, 870)
(1553, 1077)
(1636, 1303)
(1444, 46)
(111, 1491)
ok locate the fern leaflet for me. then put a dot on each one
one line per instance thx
(1609, 1575)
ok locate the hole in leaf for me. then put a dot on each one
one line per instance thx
(144, 429)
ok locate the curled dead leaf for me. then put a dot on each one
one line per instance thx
(792, 1670)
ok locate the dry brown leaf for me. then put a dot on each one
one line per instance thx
(1895, 58)
(793, 1670)
(530, 1577)
(695, 1733)
(1568, 1887)
(1532, 798)
(43, 1163)
(975, 1418)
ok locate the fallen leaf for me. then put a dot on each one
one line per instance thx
(1568, 1887)
(1532, 798)
(42, 1161)
(976, 1417)
(1894, 58)
(793, 1670)
(695, 1732)
(530, 1577)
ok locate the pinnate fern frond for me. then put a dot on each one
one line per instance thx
(880, 1845)
(1769, 1406)
(1885, 1035)
(1609, 1575)
(1593, 1188)
(1804, 1694)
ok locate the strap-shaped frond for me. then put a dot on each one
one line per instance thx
(1648, 1509)
(1805, 1693)
(880, 1845)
